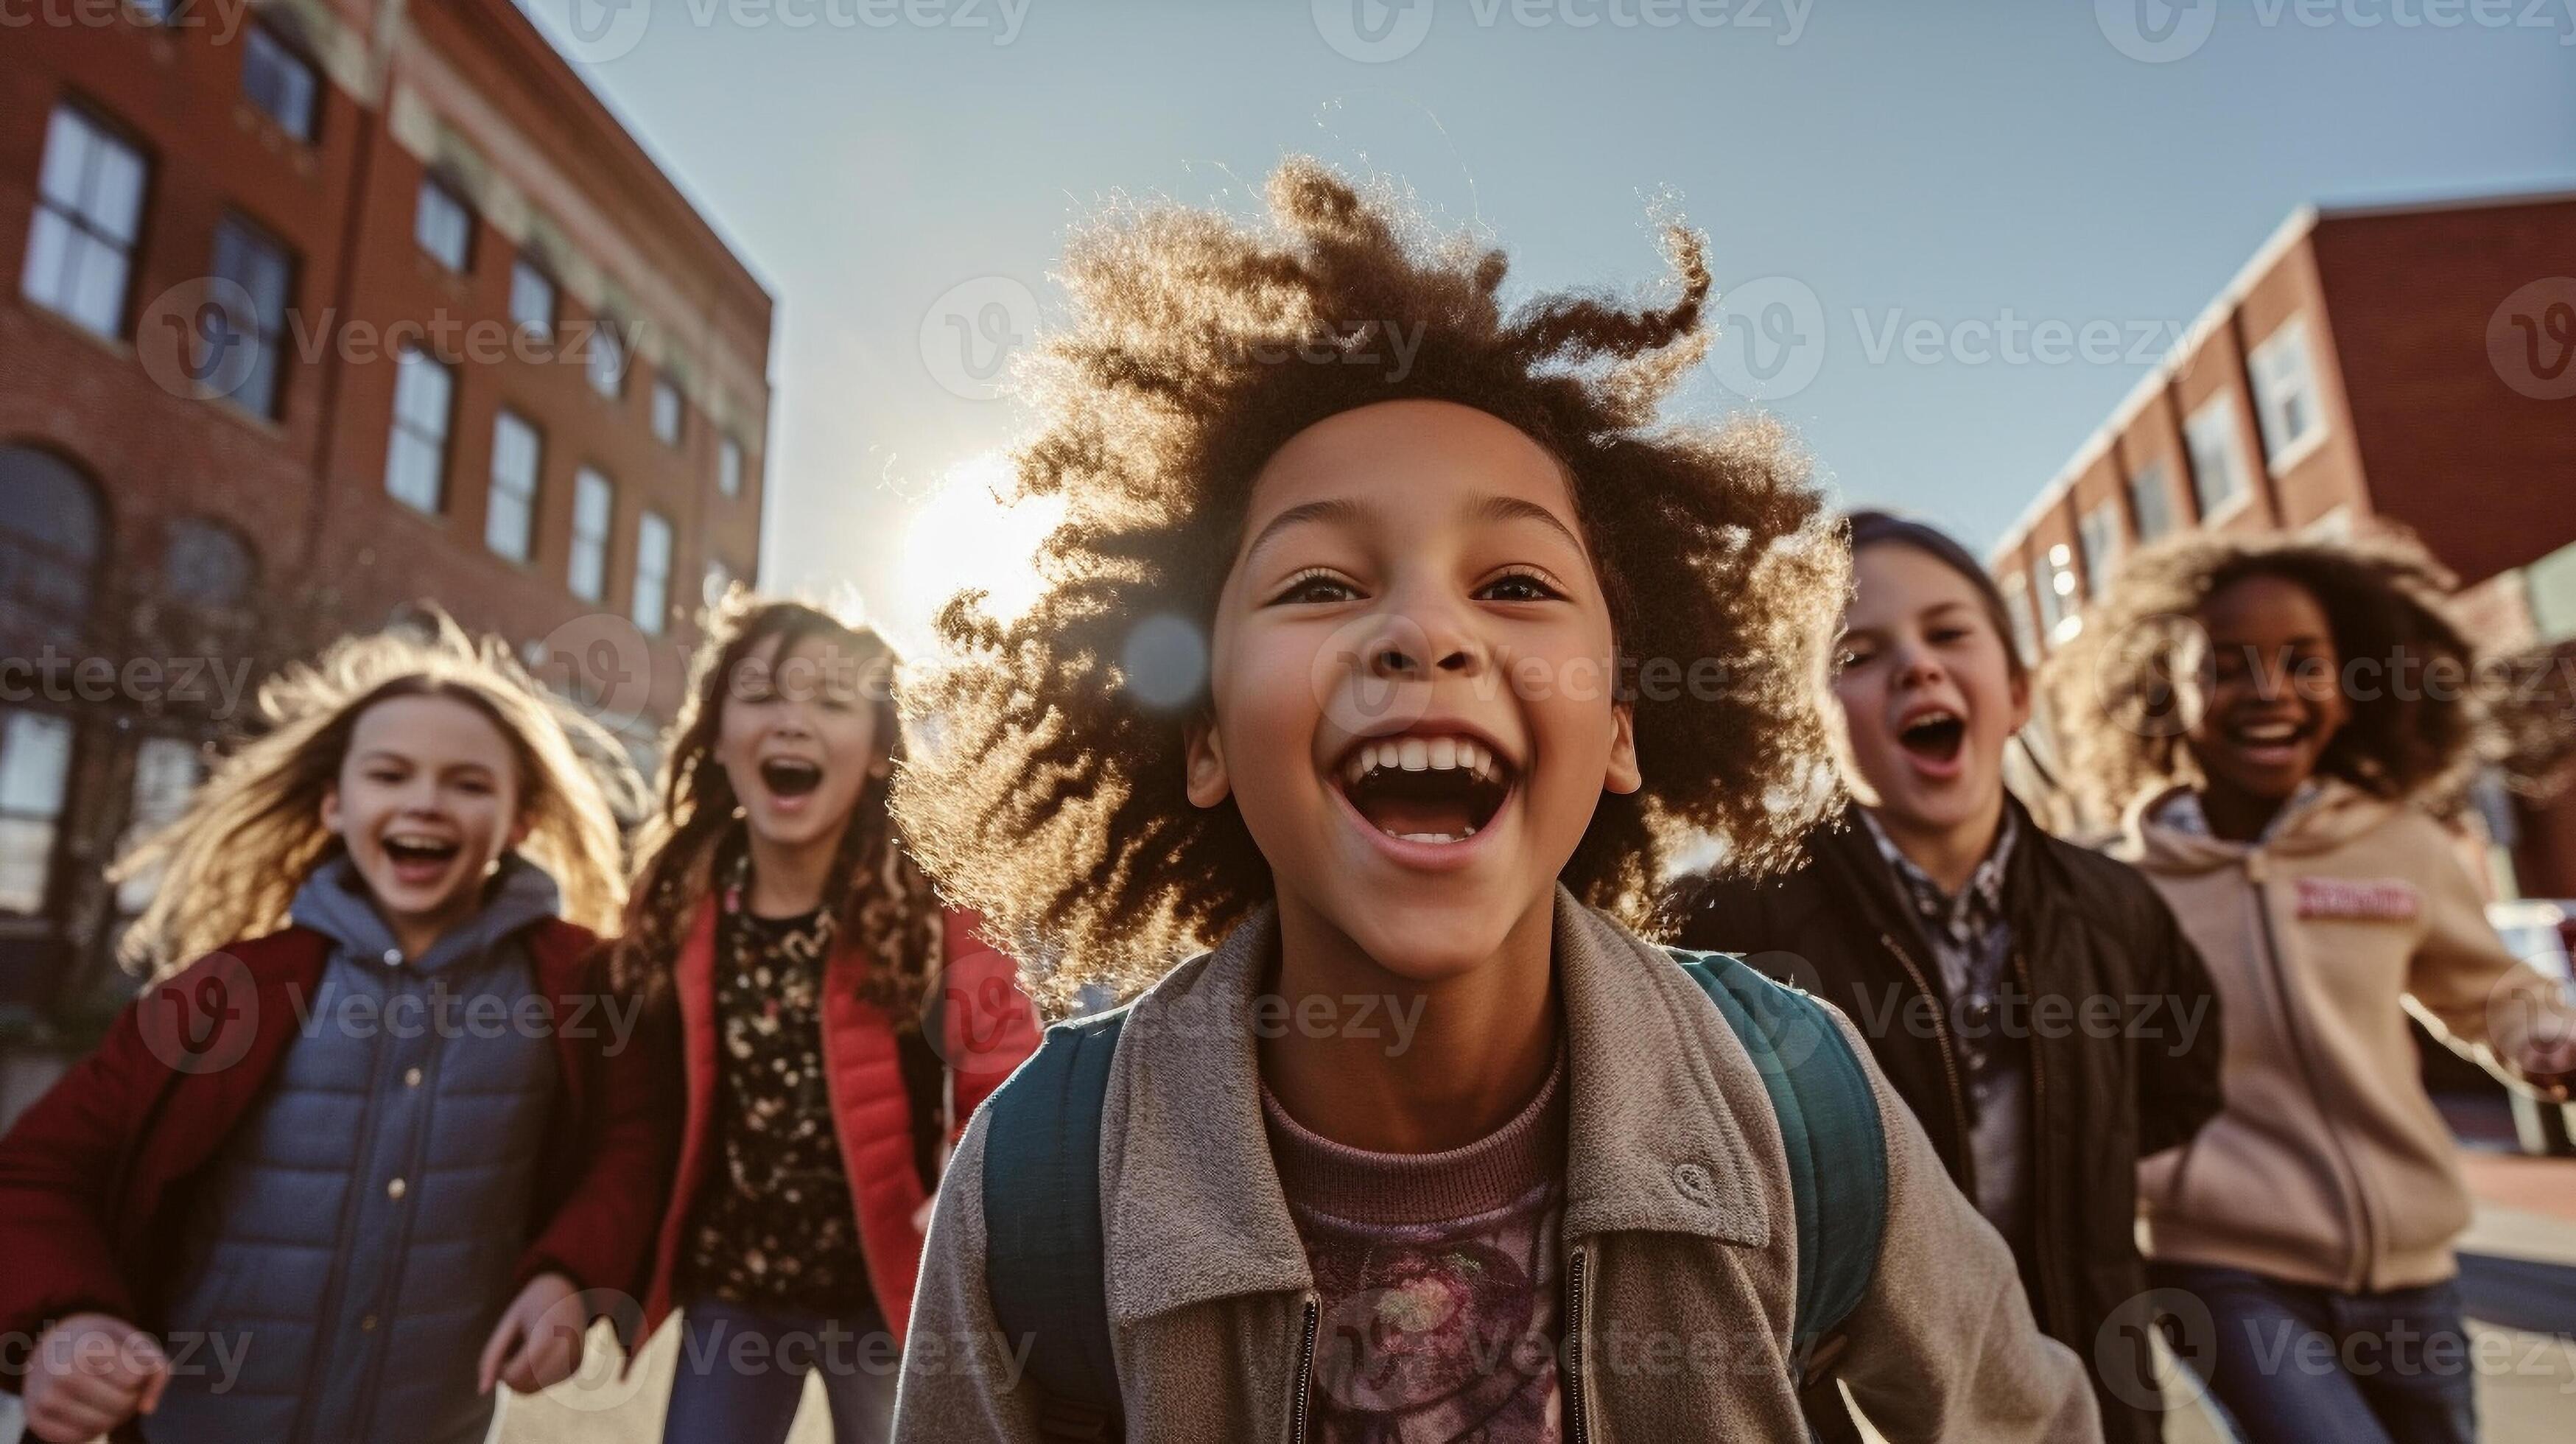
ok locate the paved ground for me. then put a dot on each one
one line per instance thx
(2519, 1268)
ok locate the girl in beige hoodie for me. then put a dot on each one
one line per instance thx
(2269, 711)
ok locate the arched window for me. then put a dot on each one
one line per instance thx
(206, 564)
(51, 533)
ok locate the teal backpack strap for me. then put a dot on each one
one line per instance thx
(1044, 1262)
(1830, 1128)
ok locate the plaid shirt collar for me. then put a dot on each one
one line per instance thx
(1979, 907)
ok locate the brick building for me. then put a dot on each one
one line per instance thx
(322, 308)
(2411, 366)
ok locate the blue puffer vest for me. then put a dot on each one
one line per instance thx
(357, 1236)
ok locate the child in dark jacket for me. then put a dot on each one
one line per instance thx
(1326, 684)
(2032, 1001)
(377, 1137)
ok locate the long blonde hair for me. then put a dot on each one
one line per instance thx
(229, 866)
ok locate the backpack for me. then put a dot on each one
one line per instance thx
(1043, 1244)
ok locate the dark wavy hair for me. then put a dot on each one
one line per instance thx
(1197, 346)
(882, 899)
(2115, 691)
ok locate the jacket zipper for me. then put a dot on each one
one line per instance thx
(2357, 1272)
(1949, 1063)
(1305, 1374)
(2040, 1161)
(1578, 1398)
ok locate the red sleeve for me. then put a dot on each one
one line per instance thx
(602, 1236)
(56, 1168)
(992, 1026)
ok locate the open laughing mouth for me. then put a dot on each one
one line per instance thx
(1426, 789)
(1933, 738)
(790, 777)
(2270, 743)
(420, 857)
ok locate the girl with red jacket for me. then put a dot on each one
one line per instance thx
(375, 1138)
(839, 1026)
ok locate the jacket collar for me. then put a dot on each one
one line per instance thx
(1192, 1205)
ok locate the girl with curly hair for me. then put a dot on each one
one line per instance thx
(2272, 713)
(379, 1127)
(1388, 690)
(1967, 940)
(778, 908)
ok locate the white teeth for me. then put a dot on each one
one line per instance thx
(1420, 754)
(1434, 837)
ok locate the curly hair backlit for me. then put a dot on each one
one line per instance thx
(1197, 346)
(2119, 711)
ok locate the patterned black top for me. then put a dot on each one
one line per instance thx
(776, 1229)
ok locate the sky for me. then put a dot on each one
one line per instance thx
(902, 174)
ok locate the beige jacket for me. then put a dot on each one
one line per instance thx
(2329, 1166)
(1678, 1228)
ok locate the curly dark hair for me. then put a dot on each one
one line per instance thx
(1197, 347)
(2119, 710)
(882, 898)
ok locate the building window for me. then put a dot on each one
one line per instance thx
(509, 520)
(532, 299)
(593, 504)
(2285, 391)
(719, 581)
(2100, 534)
(166, 771)
(89, 209)
(35, 772)
(652, 602)
(443, 226)
(416, 464)
(281, 82)
(2217, 467)
(2017, 607)
(247, 257)
(607, 360)
(2149, 505)
(667, 411)
(206, 564)
(729, 467)
(2551, 582)
(51, 533)
(2052, 577)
